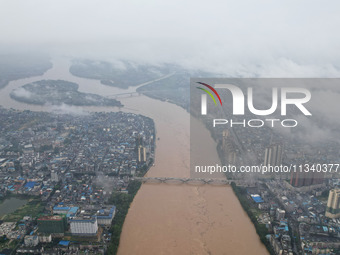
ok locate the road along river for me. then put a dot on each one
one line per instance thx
(166, 218)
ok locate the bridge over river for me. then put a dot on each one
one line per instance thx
(136, 93)
(172, 180)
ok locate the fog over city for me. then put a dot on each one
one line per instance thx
(237, 38)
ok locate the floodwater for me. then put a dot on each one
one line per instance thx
(10, 205)
(167, 218)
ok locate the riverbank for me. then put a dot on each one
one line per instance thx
(261, 229)
(122, 201)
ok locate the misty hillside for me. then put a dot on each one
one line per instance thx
(18, 66)
(122, 74)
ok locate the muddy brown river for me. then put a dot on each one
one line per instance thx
(167, 218)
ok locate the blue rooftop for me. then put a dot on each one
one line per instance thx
(30, 185)
(61, 208)
(72, 211)
(110, 216)
(257, 198)
(64, 243)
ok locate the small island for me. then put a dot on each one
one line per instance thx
(57, 92)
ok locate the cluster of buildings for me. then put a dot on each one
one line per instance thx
(73, 164)
(11, 231)
(75, 221)
(89, 225)
(244, 145)
(112, 143)
(299, 222)
(293, 204)
(333, 204)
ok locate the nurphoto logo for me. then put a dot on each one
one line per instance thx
(239, 98)
(284, 97)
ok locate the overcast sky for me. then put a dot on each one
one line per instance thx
(267, 38)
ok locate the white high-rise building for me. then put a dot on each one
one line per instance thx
(84, 226)
(333, 204)
(273, 155)
(54, 176)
